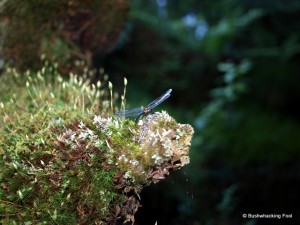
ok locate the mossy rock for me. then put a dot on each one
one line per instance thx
(66, 159)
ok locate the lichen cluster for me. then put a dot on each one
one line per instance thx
(66, 159)
(165, 144)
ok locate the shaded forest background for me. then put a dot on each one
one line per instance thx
(234, 70)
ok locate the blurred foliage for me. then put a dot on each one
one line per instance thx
(263, 137)
(61, 30)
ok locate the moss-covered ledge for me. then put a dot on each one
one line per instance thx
(80, 167)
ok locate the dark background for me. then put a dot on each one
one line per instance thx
(234, 67)
(245, 152)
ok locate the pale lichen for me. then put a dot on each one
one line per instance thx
(164, 143)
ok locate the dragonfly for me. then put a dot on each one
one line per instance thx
(144, 111)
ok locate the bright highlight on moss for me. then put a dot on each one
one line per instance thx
(64, 157)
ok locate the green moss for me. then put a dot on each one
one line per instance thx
(38, 180)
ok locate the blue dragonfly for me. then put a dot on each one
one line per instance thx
(144, 111)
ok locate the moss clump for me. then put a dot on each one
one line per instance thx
(65, 159)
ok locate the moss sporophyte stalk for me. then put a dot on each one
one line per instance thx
(66, 159)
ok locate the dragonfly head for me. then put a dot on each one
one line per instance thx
(146, 110)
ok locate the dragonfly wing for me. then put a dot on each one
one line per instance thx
(160, 99)
(129, 112)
